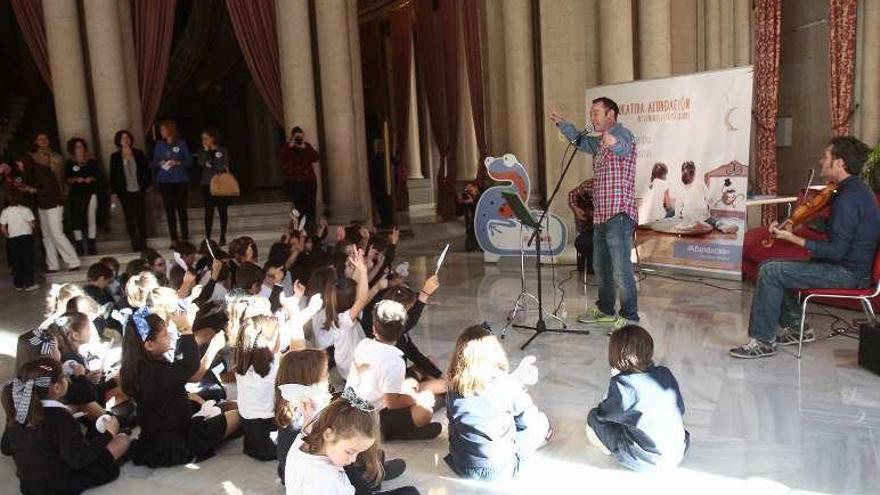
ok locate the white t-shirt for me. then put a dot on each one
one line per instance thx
(256, 394)
(16, 219)
(322, 339)
(693, 201)
(307, 474)
(656, 194)
(346, 338)
(377, 369)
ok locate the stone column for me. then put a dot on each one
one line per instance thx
(68, 70)
(297, 74)
(570, 54)
(713, 34)
(683, 30)
(343, 197)
(360, 123)
(108, 74)
(742, 32)
(727, 26)
(413, 157)
(131, 73)
(496, 82)
(467, 137)
(519, 69)
(616, 41)
(869, 110)
(655, 39)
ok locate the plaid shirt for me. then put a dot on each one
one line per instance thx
(614, 183)
(581, 197)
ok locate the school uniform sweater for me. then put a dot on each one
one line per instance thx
(55, 456)
(163, 403)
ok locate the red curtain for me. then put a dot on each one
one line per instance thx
(474, 54)
(254, 25)
(768, 29)
(153, 26)
(842, 58)
(29, 14)
(401, 60)
(199, 36)
(437, 46)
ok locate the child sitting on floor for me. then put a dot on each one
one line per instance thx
(302, 389)
(51, 455)
(493, 423)
(174, 429)
(256, 366)
(640, 421)
(345, 431)
(378, 374)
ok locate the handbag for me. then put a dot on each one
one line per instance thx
(224, 184)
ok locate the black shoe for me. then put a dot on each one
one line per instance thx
(93, 248)
(427, 432)
(80, 247)
(394, 469)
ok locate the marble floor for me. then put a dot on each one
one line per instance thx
(773, 426)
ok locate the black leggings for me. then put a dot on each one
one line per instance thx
(221, 203)
(174, 198)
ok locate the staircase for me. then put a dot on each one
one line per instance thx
(264, 222)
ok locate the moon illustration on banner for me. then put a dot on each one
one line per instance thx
(727, 122)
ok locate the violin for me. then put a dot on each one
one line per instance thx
(807, 209)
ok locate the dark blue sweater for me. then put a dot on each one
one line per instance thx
(854, 228)
(640, 420)
(489, 430)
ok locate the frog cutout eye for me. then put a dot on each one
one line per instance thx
(509, 160)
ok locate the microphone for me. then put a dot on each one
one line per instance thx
(587, 130)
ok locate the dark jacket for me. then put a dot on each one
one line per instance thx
(212, 162)
(55, 457)
(42, 178)
(489, 430)
(117, 172)
(641, 419)
(854, 229)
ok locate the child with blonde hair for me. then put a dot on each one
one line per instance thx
(493, 423)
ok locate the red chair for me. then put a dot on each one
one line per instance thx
(864, 296)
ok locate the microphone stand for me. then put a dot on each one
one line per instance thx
(541, 326)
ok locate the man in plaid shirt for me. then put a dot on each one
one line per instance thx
(614, 210)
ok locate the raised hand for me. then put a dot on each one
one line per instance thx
(298, 289)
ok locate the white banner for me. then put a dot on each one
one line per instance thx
(692, 137)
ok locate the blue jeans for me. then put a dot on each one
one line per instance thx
(612, 246)
(487, 473)
(775, 300)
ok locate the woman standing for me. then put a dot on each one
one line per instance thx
(43, 154)
(81, 174)
(171, 163)
(40, 183)
(214, 159)
(130, 178)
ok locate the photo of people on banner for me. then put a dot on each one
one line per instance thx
(692, 136)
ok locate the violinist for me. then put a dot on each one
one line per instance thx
(844, 260)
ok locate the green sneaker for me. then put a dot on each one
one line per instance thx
(593, 315)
